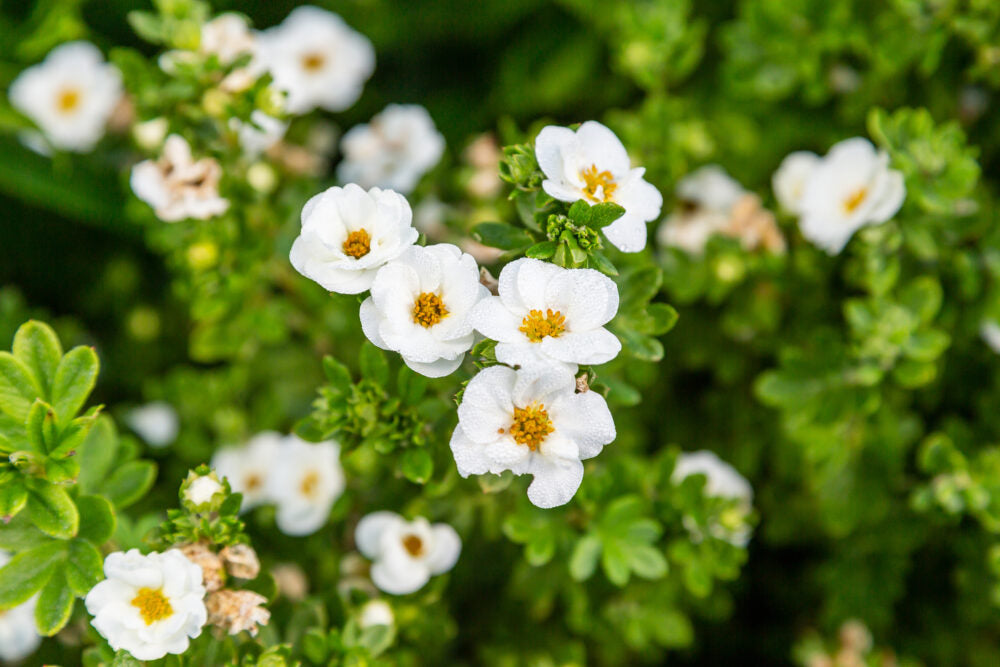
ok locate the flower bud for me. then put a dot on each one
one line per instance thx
(241, 561)
(235, 611)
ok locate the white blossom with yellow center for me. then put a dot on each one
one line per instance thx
(789, 181)
(707, 196)
(405, 554)
(531, 422)
(592, 164)
(721, 481)
(70, 95)
(305, 480)
(177, 186)
(249, 467)
(148, 605)
(317, 60)
(348, 234)
(419, 307)
(394, 150)
(546, 313)
(850, 187)
(18, 635)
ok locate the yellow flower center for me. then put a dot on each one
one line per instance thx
(153, 605)
(537, 326)
(68, 100)
(252, 482)
(313, 62)
(428, 310)
(358, 244)
(413, 545)
(309, 484)
(854, 201)
(531, 426)
(598, 179)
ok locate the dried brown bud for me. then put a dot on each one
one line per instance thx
(855, 636)
(754, 225)
(291, 581)
(212, 574)
(235, 611)
(582, 384)
(241, 561)
(487, 280)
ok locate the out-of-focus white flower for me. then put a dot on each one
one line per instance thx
(376, 612)
(990, 331)
(228, 36)
(789, 181)
(406, 553)
(548, 314)
(177, 186)
(305, 480)
(236, 611)
(349, 234)
(852, 186)
(249, 468)
(18, 636)
(260, 134)
(149, 135)
(419, 307)
(721, 481)
(531, 422)
(155, 422)
(396, 148)
(148, 605)
(317, 60)
(591, 164)
(202, 489)
(70, 95)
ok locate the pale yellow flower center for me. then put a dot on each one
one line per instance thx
(68, 100)
(854, 201)
(428, 310)
(598, 179)
(531, 426)
(358, 244)
(252, 482)
(413, 545)
(313, 62)
(309, 484)
(152, 604)
(537, 325)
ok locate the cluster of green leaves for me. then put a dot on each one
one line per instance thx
(215, 522)
(59, 494)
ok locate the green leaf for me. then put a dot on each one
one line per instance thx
(501, 235)
(540, 549)
(543, 250)
(27, 572)
(374, 366)
(579, 212)
(51, 510)
(602, 215)
(417, 465)
(74, 380)
(583, 561)
(663, 316)
(97, 519)
(96, 454)
(129, 483)
(13, 497)
(336, 373)
(54, 605)
(614, 562)
(84, 566)
(597, 260)
(646, 561)
(20, 535)
(40, 427)
(124, 659)
(926, 345)
(314, 645)
(18, 389)
(75, 434)
(412, 386)
(37, 347)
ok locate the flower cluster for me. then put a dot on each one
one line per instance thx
(302, 479)
(405, 554)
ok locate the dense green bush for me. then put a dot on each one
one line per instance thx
(827, 324)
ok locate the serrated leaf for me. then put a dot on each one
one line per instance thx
(97, 519)
(18, 389)
(37, 347)
(51, 510)
(129, 483)
(84, 566)
(583, 561)
(27, 572)
(74, 380)
(55, 603)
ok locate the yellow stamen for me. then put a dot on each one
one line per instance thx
(598, 179)
(313, 62)
(68, 100)
(252, 482)
(414, 545)
(428, 310)
(309, 484)
(153, 605)
(358, 244)
(854, 201)
(531, 426)
(537, 326)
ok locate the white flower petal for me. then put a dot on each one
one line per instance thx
(371, 528)
(555, 481)
(445, 549)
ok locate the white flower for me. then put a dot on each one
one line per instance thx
(259, 135)
(227, 36)
(546, 313)
(317, 60)
(202, 489)
(305, 480)
(148, 605)
(249, 468)
(394, 150)
(851, 187)
(721, 481)
(406, 553)
(419, 307)
(70, 95)
(789, 181)
(149, 135)
(591, 164)
(531, 422)
(155, 422)
(18, 635)
(376, 612)
(349, 234)
(709, 194)
(990, 331)
(177, 186)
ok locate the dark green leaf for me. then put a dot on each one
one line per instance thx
(84, 566)
(51, 509)
(27, 572)
(417, 465)
(501, 235)
(374, 366)
(97, 519)
(54, 605)
(543, 250)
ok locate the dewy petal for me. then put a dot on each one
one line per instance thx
(555, 481)
(470, 457)
(369, 316)
(603, 148)
(399, 579)
(368, 534)
(549, 145)
(562, 191)
(525, 353)
(493, 319)
(790, 178)
(544, 384)
(587, 298)
(486, 403)
(436, 369)
(627, 233)
(586, 420)
(597, 346)
(445, 549)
